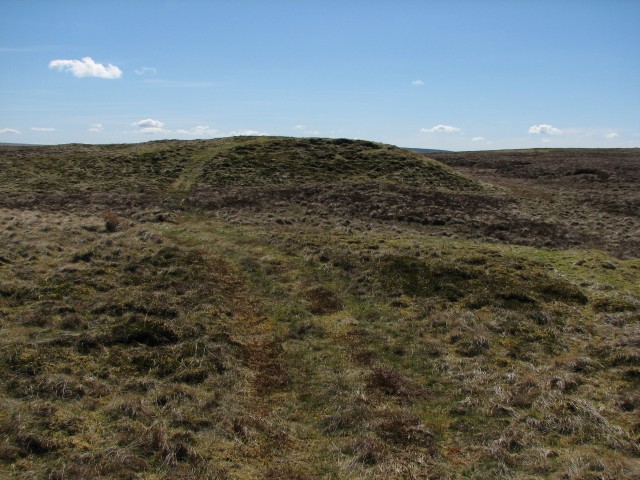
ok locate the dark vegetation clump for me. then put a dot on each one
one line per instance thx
(111, 221)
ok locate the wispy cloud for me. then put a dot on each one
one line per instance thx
(9, 130)
(440, 129)
(86, 68)
(236, 133)
(149, 126)
(146, 71)
(417, 83)
(204, 130)
(303, 129)
(43, 129)
(199, 131)
(544, 129)
(611, 135)
(96, 127)
(481, 141)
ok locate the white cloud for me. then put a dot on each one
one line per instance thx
(546, 140)
(149, 125)
(96, 127)
(145, 71)
(611, 135)
(205, 130)
(200, 130)
(236, 133)
(544, 129)
(86, 68)
(43, 129)
(440, 129)
(8, 130)
(478, 139)
(417, 83)
(299, 127)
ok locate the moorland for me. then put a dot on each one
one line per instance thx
(288, 308)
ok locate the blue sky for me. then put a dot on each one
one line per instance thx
(460, 75)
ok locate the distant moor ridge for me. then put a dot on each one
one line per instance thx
(545, 197)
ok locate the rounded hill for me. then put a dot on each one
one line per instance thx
(264, 161)
(178, 165)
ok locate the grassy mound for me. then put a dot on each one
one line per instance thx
(242, 161)
(285, 161)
